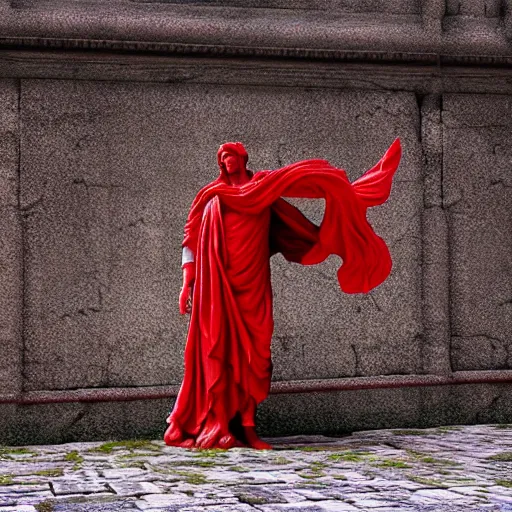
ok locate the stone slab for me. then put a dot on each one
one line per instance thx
(380, 6)
(477, 187)
(71, 488)
(239, 507)
(104, 239)
(125, 488)
(324, 506)
(11, 244)
(19, 508)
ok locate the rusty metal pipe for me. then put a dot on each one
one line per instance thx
(282, 387)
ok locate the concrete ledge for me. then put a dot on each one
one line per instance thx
(277, 388)
(255, 31)
(422, 78)
(333, 413)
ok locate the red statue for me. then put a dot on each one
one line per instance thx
(235, 224)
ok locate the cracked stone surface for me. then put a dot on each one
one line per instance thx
(458, 468)
(106, 184)
(477, 187)
(11, 244)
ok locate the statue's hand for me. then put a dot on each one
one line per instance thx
(186, 300)
(189, 274)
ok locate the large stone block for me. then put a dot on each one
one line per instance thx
(347, 411)
(10, 242)
(477, 186)
(108, 173)
(100, 421)
(331, 413)
(381, 6)
(474, 8)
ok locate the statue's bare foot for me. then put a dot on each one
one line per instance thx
(188, 443)
(173, 435)
(226, 442)
(253, 441)
(209, 437)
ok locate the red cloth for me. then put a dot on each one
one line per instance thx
(233, 232)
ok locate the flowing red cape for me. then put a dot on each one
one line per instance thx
(218, 341)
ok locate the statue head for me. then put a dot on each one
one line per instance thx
(232, 158)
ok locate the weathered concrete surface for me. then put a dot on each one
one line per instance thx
(374, 6)
(112, 149)
(109, 173)
(445, 469)
(11, 256)
(342, 412)
(331, 413)
(477, 189)
(469, 27)
(435, 243)
(368, 25)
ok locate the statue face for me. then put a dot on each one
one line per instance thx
(231, 163)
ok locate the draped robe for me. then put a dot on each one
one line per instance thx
(233, 231)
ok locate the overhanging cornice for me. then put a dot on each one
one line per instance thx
(218, 31)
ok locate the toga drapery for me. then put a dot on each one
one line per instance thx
(233, 231)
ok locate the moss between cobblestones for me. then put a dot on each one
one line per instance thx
(311, 484)
(212, 452)
(131, 445)
(447, 462)
(313, 471)
(192, 462)
(503, 425)
(135, 455)
(238, 469)
(504, 483)
(281, 460)
(311, 476)
(49, 472)
(362, 456)
(9, 480)
(6, 479)
(431, 482)
(318, 448)
(348, 456)
(451, 428)
(169, 472)
(190, 477)
(427, 459)
(75, 457)
(465, 481)
(411, 432)
(252, 500)
(45, 506)
(6, 453)
(391, 464)
(503, 457)
(202, 463)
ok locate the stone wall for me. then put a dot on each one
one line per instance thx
(105, 141)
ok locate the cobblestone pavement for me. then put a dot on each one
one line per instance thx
(440, 469)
